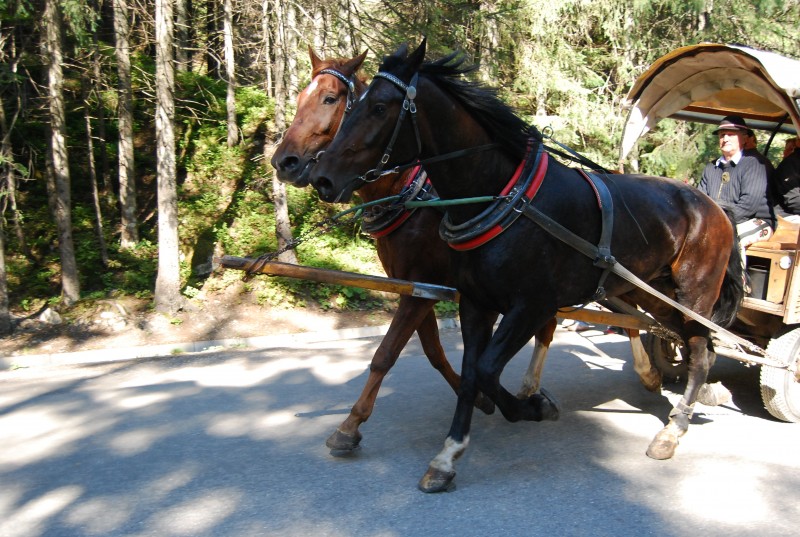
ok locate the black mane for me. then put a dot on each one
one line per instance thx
(500, 120)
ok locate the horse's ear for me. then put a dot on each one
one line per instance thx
(418, 55)
(315, 60)
(355, 64)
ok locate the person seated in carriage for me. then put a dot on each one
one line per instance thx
(786, 183)
(739, 181)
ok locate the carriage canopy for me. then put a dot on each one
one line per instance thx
(706, 82)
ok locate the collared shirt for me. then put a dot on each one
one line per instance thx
(735, 159)
(741, 185)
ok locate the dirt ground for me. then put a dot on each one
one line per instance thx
(130, 322)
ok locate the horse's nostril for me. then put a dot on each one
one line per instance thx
(323, 184)
(289, 163)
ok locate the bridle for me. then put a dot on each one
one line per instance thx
(409, 107)
(350, 84)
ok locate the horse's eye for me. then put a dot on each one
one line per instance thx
(379, 109)
(329, 99)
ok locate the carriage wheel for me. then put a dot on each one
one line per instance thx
(780, 391)
(666, 356)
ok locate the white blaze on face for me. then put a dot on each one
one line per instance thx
(311, 87)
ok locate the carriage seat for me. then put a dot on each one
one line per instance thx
(786, 237)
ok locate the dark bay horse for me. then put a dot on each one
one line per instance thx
(666, 233)
(408, 244)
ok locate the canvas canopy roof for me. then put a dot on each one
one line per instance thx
(710, 81)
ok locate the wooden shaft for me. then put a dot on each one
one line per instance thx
(352, 279)
(405, 287)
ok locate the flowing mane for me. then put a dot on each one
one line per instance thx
(481, 101)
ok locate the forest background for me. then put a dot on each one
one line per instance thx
(135, 136)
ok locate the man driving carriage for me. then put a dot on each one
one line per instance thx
(739, 181)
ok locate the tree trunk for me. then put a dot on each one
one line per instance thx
(98, 213)
(283, 231)
(127, 181)
(182, 59)
(70, 286)
(9, 173)
(168, 282)
(212, 36)
(266, 30)
(5, 314)
(230, 71)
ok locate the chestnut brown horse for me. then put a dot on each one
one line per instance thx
(407, 242)
(526, 247)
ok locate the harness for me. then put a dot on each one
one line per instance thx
(599, 253)
(380, 220)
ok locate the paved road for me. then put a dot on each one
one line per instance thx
(232, 444)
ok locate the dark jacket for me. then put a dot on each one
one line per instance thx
(786, 181)
(746, 192)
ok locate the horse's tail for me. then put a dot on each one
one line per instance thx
(732, 292)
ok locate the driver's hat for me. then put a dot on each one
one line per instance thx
(732, 123)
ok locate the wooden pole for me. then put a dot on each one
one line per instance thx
(364, 281)
(405, 287)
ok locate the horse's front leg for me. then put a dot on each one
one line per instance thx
(485, 356)
(428, 332)
(476, 329)
(701, 358)
(411, 312)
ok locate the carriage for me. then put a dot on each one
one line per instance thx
(704, 83)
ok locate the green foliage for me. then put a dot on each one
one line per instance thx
(566, 65)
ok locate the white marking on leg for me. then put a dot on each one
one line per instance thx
(641, 361)
(445, 460)
(533, 376)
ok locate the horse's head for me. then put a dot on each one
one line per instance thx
(374, 136)
(320, 106)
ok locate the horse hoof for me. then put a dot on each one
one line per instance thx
(663, 446)
(484, 404)
(436, 480)
(551, 409)
(652, 380)
(343, 442)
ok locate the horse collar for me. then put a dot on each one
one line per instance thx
(503, 212)
(379, 221)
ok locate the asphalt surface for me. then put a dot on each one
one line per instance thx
(232, 443)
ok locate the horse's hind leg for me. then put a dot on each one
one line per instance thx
(650, 376)
(532, 380)
(701, 358)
